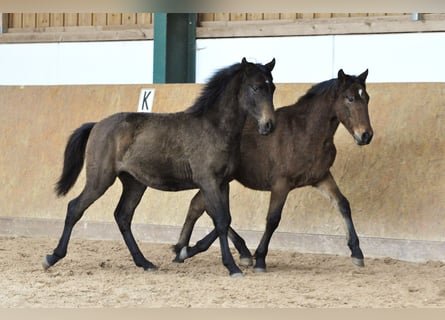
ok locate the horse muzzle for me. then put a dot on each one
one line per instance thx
(265, 128)
(363, 138)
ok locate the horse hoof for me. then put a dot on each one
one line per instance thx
(150, 268)
(182, 254)
(237, 275)
(177, 260)
(246, 261)
(358, 262)
(259, 270)
(45, 263)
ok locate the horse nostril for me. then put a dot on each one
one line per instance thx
(266, 128)
(366, 137)
(269, 126)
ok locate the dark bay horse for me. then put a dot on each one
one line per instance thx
(197, 148)
(300, 152)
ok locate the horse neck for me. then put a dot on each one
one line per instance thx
(227, 115)
(321, 119)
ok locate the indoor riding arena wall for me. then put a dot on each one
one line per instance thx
(396, 185)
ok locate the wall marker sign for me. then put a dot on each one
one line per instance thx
(146, 100)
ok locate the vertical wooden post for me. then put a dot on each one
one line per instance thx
(3, 22)
(174, 57)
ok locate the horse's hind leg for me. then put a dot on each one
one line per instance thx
(329, 187)
(195, 211)
(76, 208)
(245, 257)
(132, 193)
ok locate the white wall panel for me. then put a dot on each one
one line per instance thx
(414, 57)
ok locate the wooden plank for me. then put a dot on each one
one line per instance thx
(114, 19)
(128, 19)
(288, 16)
(237, 16)
(99, 19)
(305, 15)
(144, 18)
(322, 15)
(95, 34)
(340, 15)
(224, 16)
(42, 20)
(271, 16)
(29, 20)
(352, 25)
(376, 14)
(85, 19)
(56, 19)
(254, 16)
(358, 15)
(15, 20)
(206, 17)
(71, 19)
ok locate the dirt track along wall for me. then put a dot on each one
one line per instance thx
(395, 185)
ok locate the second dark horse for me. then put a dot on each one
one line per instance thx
(300, 152)
(197, 148)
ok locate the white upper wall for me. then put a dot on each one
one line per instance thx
(114, 62)
(411, 57)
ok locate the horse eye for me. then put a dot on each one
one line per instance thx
(254, 88)
(350, 98)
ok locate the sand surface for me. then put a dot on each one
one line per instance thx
(102, 274)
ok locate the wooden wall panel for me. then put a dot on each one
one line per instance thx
(56, 19)
(85, 19)
(42, 20)
(71, 20)
(29, 20)
(49, 27)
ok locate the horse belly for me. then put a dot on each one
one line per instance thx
(160, 173)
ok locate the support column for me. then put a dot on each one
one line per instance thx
(174, 47)
(3, 22)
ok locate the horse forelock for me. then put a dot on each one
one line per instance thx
(214, 88)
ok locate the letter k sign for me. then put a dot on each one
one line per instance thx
(146, 100)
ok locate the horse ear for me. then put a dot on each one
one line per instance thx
(363, 76)
(244, 61)
(271, 65)
(341, 75)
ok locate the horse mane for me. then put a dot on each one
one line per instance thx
(328, 87)
(213, 89)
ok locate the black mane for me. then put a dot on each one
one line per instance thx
(329, 87)
(213, 89)
(322, 88)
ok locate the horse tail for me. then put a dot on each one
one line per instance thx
(73, 158)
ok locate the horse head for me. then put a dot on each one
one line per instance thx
(256, 94)
(351, 106)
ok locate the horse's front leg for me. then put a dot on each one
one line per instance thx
(329, 187)
(217, 204)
